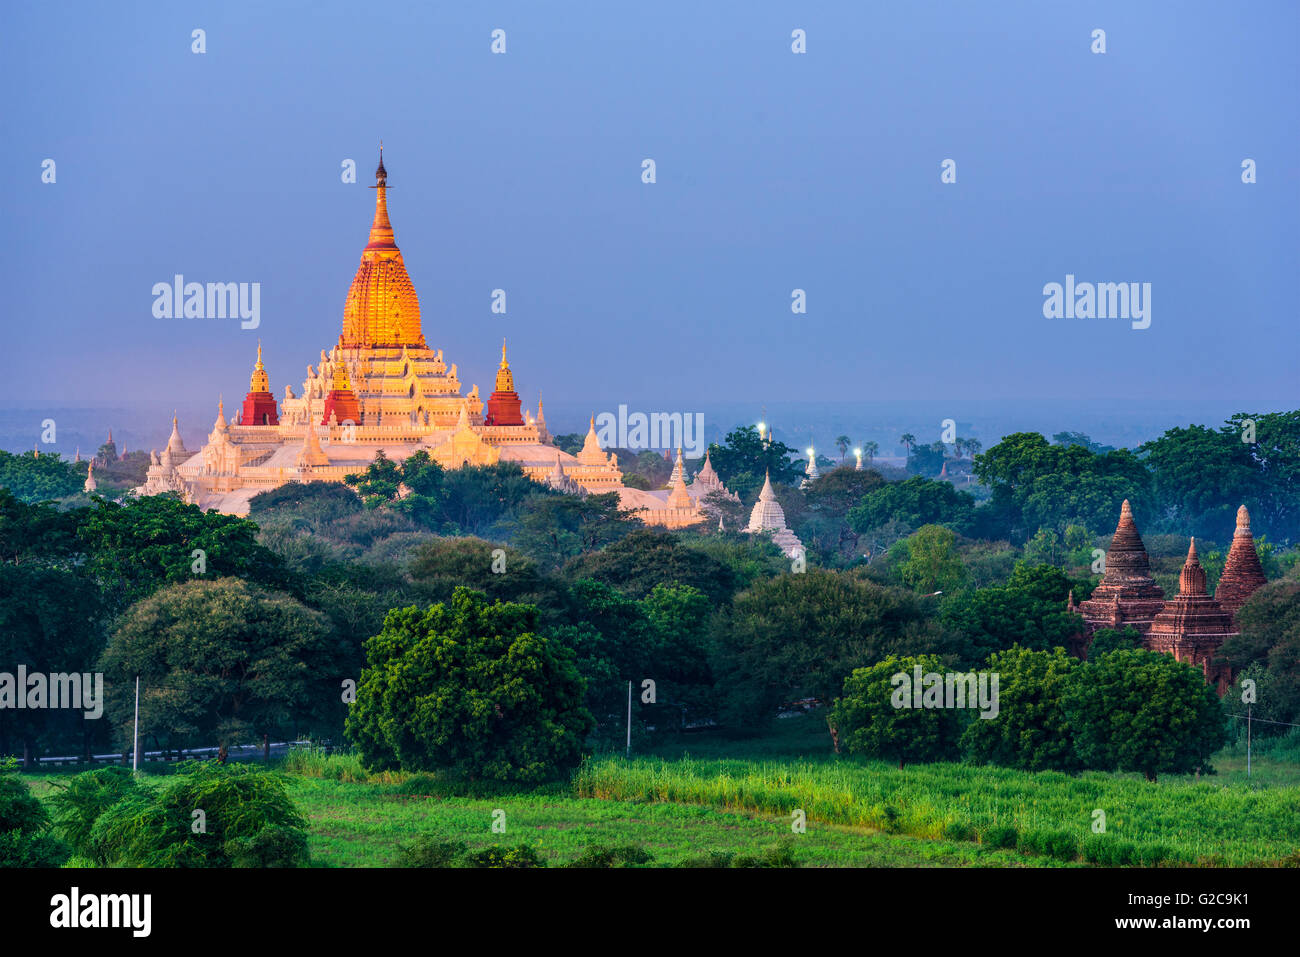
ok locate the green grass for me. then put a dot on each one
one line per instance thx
(1210, 822)
(714, 794)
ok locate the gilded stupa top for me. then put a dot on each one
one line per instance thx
(382, 308)
(505, 379)
(259, 381)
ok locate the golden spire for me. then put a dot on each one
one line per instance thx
(259, 381)
(381, 308)
(505, 380)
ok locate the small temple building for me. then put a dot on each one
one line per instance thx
(768, 518)
(682, 503)
(1127, 595)
(1192, 626)
(380, 387)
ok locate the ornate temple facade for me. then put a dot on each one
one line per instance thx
(381, 386)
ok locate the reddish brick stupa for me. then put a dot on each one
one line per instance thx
(341, 403)
(1127, 595)
(1193, 625)
(259, 405)
(1242, 572)
(503, 406)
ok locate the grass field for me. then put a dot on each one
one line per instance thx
(691, 798)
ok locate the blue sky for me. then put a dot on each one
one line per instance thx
(775, 171)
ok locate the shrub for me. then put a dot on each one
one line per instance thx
(958, 831)
(23, 825)
(1108, 851)
(1060, 845)
(247, 820)
(83, 799)
(781, 855)
(275, 846)
(521, 855)
(627, 856)
(19, 810)
(424, 851)
(999, 836)
(18, 849)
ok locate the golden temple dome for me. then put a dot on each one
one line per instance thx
(382, 308)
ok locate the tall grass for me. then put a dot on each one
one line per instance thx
(1179, 822)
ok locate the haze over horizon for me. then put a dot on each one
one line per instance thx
(775, 171)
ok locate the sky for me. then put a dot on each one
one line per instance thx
(775, 171)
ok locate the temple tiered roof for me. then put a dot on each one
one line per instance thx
(1192, 625)
(1127, 594)
(1242, 572)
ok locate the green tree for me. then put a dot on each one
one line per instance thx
(1030, 731)
(874, 716)
(1038, 485)
(915, 501)
(33, 478)
(1029, 610)
(139, 547)
(552, 529)
(379, 483)
(1106, 640)
(1270, 641)
(1144, 711)
(799, 635)
(51, 621)
(842, 442)
(648, 557)
(472, 689)
(221, 661)
(928, 561)
(745, 457)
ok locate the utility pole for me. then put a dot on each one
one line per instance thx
(1247, 740)
(629, 719)
(135, 746)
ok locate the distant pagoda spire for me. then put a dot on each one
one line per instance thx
(1242, 572)
(678, 497)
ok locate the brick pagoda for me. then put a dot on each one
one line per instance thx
(1192, 626)
(1127, 595)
